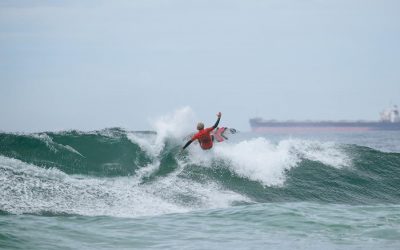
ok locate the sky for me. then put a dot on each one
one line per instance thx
(95, 64)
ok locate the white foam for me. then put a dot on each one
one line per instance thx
(26, 188)
(260, 160)
(146, 142)
(328, 153)
(257, 159)
(147, 170)
(52, 145)
(177, 124)
(47, 140)
(170, 126)
(71, 149)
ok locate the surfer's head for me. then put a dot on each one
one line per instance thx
(200, 126)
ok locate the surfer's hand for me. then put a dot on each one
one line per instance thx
(219, 114)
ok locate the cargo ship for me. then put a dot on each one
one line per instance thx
(389, 121)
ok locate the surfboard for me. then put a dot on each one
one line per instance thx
(221, 134)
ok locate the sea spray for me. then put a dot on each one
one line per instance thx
(175, 125)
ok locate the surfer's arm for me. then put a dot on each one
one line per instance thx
(217, 122)
(187, 144)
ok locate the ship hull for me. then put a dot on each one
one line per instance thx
(299, 127)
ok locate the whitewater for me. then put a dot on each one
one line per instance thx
(116, 188)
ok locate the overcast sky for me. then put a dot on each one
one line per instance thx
(95, 64)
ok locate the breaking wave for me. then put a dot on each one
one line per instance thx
(116, 172)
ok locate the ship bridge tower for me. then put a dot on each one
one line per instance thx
(390, 115)
(394, 114)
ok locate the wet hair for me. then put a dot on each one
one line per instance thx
(200, 126)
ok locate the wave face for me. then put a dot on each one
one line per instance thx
(115, 172)
(102, 153)
(121, 173)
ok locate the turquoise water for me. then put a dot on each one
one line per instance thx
(119, 189)
(282, 225)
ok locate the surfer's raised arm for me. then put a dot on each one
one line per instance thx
(217, 122)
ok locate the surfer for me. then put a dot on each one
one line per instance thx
(204, 136)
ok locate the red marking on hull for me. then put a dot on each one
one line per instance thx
(310, 129)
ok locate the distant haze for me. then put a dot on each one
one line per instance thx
(95, 64)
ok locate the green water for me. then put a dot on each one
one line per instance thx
(119, 189)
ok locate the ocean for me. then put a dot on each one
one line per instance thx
(121, 189)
